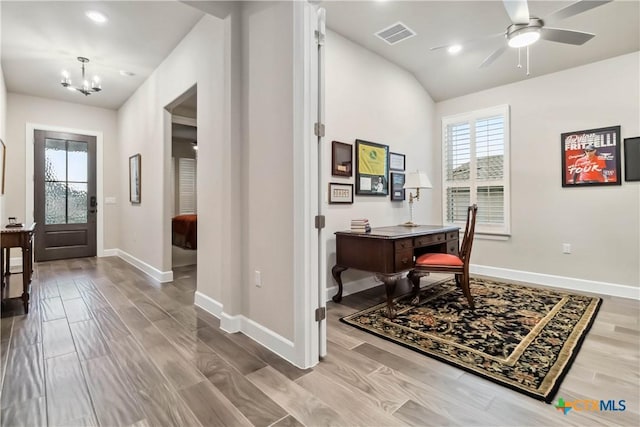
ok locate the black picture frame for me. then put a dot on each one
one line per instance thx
(396, 162)
(632, 159)
(340, 193)
(591, 157)
(341, 159)
(372, 168)
(398, 193)
(135, 176)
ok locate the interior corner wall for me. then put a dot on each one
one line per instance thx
(144, 127)
(23, 109)
(370, 98)
(3, 131)
(267, 117)
(602, 224)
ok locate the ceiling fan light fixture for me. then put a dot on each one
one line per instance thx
(524, 38)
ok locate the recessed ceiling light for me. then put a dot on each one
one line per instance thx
(96, 16)
(454, 49)
(127, 73)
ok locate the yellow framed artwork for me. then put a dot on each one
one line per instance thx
(372, 168)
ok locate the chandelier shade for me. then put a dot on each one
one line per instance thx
(86, 89)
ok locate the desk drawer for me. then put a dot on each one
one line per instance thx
(452, 235)
(429, 239)
(452, 247)
(403, 244)
(403, 259)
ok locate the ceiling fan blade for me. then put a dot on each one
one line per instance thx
(565, 36)
(518, 11)
(489, 60)
(470, 42)
(574, 9)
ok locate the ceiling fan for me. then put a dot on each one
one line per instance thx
(526, 29)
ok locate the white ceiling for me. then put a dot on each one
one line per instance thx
(438, 23)
(40, 39)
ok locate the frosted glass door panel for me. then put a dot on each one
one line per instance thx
(76, 203)
(55, 199)
(55, 157)
(77, 153)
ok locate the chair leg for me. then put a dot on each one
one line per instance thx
(466, 289)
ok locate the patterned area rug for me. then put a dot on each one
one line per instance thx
(519, 337)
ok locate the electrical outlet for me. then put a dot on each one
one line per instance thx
(257, 279)
(566, 248)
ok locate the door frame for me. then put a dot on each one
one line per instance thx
(30, 128)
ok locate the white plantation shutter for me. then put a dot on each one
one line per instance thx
(187, 185)
(476, 158)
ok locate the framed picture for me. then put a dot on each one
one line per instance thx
(3, 164)
(135, 174)
(397, 182)
(372, 173)
(396, 162)
(632, 159)
(340, 193)
(591, 157)
(341, 159)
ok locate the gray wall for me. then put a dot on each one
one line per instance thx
(601, 223)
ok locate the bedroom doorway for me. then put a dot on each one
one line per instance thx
(184, 167)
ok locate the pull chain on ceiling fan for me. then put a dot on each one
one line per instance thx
(525, 29)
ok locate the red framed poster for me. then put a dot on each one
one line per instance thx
(591, 157)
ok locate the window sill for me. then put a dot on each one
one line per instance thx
(491, 236)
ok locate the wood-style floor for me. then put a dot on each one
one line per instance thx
(105, 345)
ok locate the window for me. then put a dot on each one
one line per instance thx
(187, 185)
(475, 149)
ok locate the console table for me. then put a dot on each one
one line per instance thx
(19, 237)
(389, 252)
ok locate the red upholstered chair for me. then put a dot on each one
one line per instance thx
(456, 264)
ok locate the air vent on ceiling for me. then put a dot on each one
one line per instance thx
(395, 33)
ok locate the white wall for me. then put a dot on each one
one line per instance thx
(601, 223)
(267, 66)
(145, 128)
(3, 131)
(23, 109)
(369, 98)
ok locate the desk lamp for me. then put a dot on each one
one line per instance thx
(415, 181)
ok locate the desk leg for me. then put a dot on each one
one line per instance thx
(390, 287)
(336, 272)
(414, 277)
(26, 276)
(2, 278)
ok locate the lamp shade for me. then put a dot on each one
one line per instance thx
(416, 179)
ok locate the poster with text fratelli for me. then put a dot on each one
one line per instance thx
(591, 157)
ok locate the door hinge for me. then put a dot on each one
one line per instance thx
(318, 129)
(320, 221)
(321, 313)
(319, 38)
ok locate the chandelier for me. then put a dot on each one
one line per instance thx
(85, 89)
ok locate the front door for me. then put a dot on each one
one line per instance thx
(65, 195)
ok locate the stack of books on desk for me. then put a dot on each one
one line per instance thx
(360, 226)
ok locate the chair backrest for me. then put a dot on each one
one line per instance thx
(469, 230)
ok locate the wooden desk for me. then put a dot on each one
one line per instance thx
(390, 251)
(17, 238)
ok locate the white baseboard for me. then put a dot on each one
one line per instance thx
(562, 282)
(160, 276)
(109, 252)
(239, 323)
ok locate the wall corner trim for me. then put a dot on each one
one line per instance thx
(108, 252)
(239, 323)
(160, 276)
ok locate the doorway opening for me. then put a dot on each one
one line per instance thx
(184, 184)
